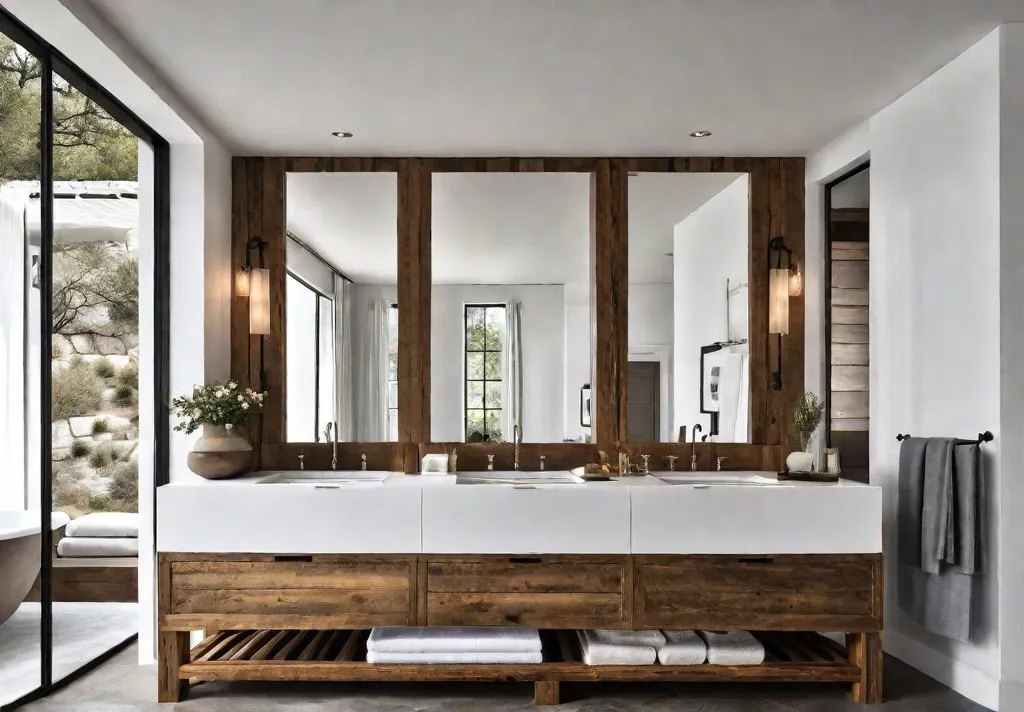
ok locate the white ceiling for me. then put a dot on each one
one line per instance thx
(491, 228)
(535, 77)
(854, 192)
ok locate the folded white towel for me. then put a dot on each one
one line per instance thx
(104, 524)
(373, 656)
(684, 647)
(434, 465)
(72, 547)
(453, 639)
(597, 651)
(645, 638)
(734, 647)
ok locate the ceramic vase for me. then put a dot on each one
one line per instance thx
(220, 454)
(802, 461)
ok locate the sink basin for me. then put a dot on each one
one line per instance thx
(327, 478)
(708, 479)
(518, 478)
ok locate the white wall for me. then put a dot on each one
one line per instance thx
(309, 269)
(650, 339)
(543, 327)
(710, 246)
(1011, 329)
(579, 355)
(935, 343)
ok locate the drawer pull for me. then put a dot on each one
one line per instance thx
(305, 559)
(525, 560)
(757, 560)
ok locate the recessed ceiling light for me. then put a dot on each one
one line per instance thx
(341, 134)
(700, 134)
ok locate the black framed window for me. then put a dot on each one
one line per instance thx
(311, 360)
(393, 373)
(485, 339)
(63, 132)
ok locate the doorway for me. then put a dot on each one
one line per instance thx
(847, 301)
(643, 405)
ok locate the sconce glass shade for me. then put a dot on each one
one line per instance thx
(242, 282)
(259, 301)
(796, 280)
(778, 301)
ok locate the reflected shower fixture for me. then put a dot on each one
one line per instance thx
(783, 282)
(253, 282)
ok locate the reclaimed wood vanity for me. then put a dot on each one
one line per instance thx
(299, 600)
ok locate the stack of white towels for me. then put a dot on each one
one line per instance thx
(671, 647)
(447, 645)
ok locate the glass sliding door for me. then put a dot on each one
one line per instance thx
(95, 351)
(84, 252)
(21, 514)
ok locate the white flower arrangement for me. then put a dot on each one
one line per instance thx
(219, 403)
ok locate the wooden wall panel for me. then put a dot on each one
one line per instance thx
(414, 203)
(792, 175)
(610, 289)
(761, 364)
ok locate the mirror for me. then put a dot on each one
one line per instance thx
(341, 330)
(688, 307)
(510, 306)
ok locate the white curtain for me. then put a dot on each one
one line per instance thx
(512, 371)
(13, 312)
(373, 383)
(344, 393)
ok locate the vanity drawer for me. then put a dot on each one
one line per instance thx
(363, 591)
(544, 592)
(799, 592)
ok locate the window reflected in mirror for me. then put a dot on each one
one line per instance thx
(689, 356)
(341, 332)
(510, 306)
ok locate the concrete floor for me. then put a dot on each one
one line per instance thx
(122, 686)
(81, 632)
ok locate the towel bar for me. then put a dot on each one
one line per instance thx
(985, 437)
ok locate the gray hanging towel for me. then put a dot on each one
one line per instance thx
(941, 518)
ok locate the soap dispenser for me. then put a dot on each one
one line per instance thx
(453, 462)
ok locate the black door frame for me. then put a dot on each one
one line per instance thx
(827, 336)
(53, 61)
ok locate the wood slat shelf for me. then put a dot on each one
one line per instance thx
(340, 656)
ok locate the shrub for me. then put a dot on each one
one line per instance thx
(103, 368)
(100, 458)
(129, 376)
(69, 494)
(122, 493)
(80, 448)
(100, 425)
(124, 395)
(55, 352)
(76, 390)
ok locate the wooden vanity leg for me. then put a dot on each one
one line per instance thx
(173, 654)
(865, 651)
(546, 692)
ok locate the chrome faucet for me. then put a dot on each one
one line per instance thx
(719, 463)
(362, 462)
(332, 435)
(302, 460)
(517, 440)
(647, 463)
(693, 447)
(490, 463)
(542, 459)
(672, 463)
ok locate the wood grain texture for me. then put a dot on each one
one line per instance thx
(317, 456)
(738, 456)
(849, 334)
(70, 584)
(851, 404)
(414, 277)
(865, 652)
(849, 378)
(757, 295)
(850, 274)
(472, 457)
(280, 601)
(792, 175)
(172, 654)
(275, 259)
(538, 610)
(546, 692)
(850, 316)
(512, 576)
(225, 576)
(850, 355)
(849, 250)
(849, 297)
(609, 249)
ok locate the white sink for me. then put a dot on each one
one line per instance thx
(709, 479)
(518, 478)
(327, 478)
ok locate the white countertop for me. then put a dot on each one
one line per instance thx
(411, 514)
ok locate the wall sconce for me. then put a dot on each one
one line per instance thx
(783, 283)
(254, 282)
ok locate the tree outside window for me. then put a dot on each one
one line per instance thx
(485, 338)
